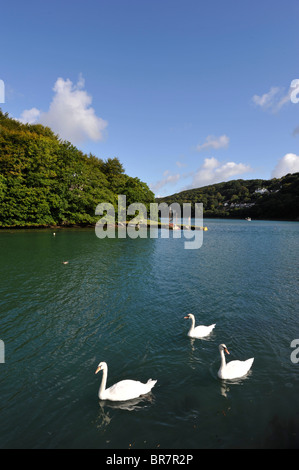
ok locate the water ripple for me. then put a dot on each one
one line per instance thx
(123, 301)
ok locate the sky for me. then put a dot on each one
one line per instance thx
(185, 93)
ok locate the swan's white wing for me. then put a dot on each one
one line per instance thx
(201, 331)
(127, 390)
(235, 369)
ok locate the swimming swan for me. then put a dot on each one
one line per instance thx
(199, 331)
(123, 390)
(233, 369)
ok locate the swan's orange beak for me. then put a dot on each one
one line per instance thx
(98, 369)
(226, 351)
(186, 317)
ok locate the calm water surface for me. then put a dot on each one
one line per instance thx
(123, 301)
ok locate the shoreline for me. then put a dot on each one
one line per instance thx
(148, 225)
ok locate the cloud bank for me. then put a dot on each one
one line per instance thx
(30, 116)
(213, 171)
(287, 164)
(70, 113)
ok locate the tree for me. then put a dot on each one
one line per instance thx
(281, 201)
(46, 181)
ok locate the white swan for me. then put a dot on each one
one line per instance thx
(233, 369)
(123, 390)
(199, 331)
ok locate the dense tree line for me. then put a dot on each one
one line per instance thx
(277, 198)
(47, 181)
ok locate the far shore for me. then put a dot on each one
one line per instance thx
(148, 224)
(145, 224)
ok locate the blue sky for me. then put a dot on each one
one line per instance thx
(184, 92)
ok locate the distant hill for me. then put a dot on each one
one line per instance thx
(46, 181)
(277, 198)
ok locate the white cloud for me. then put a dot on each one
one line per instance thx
(287, 164)
(267, 99)
(30, 116)
(212, 171)
(70, 113)
(214, 143)
(275, 99)
(168, 179)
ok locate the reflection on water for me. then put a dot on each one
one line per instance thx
(135, 404)
(106, 408)
(226, 385)
(103, 419)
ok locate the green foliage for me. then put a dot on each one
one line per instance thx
(46, 181)
(277, 198)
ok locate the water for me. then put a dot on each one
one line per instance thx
(123, 301)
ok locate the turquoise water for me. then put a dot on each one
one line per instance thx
(123, 301)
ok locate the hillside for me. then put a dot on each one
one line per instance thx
(46, 181)
(277, 198)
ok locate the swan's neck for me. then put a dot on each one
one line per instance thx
(223, 362)
(103, 383)
(192, 324)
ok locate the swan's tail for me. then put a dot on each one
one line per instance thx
(151, 382)
(249, 363)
